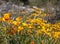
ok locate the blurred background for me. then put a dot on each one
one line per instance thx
(49, 6)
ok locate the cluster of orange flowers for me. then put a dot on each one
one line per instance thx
(31, 24)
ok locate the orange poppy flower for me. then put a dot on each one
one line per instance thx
(32, 42)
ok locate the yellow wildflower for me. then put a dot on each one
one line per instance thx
(43, 29)
(10, 21)
(33, 21)
(18, 18)
(39, 26)
(0, 19)
(15, 23)
(30, 26)
(37, 12)
(43, 14)
(20, 28)
(25, 24)
(56, 34)
(6, 16)
(49, 34)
